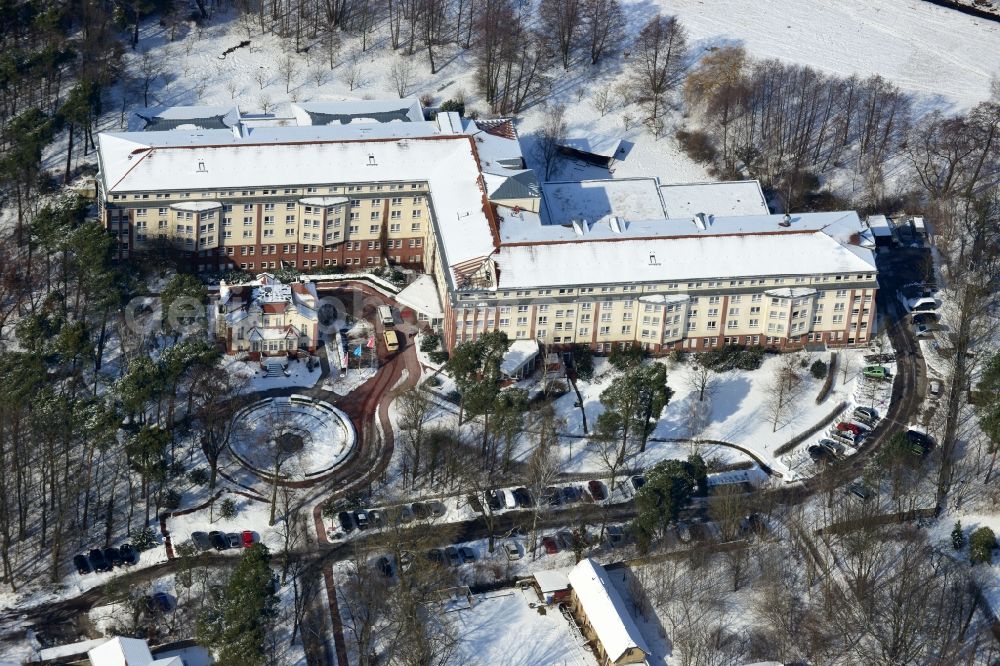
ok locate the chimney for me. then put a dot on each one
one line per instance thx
(201, 167)
(786, 221)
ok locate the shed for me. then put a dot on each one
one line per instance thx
(551, 586)
(881, 229)
(601, 151)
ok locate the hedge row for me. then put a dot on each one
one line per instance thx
(801, 437)
(828, 383)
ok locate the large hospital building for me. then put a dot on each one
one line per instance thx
(597, 262)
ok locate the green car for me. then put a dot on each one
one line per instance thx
(876, 371)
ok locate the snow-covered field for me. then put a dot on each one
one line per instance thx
(502, 628)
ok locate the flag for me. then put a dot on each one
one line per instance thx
(357, 350)
(371, 342)
(343, 360)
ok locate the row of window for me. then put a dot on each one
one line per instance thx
(333, 189)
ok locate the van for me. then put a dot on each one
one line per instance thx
(935, 387)
(391, 341)
(385, 315)
(875, 371)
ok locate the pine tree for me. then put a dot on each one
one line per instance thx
(235, 623)
(958, 536)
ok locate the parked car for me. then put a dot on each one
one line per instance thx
(508, 499)
(452, 556)
(97, 560)
(420, 510)
(638, 481)
(512, 550)
(158, 603)
(921, 330)
(247, 538)
(474, 502)
(438, 509)
(572, 494)
(565, 539)
(753, 523)
(493, 499)
(82, 564)
(835, 448)
(921, 443)
(875, 371)
(925, 319)
(818, 454)
(234, 540)
(597, 490)
(435, 556)
(405, 560)
(550, 545)
(934, 387)
(868, 412)
(860, 490)
(346, 521)
(377, 518)
(129, 554)
(614, 535)
(361, 519)
(200, 541)
(218, 540)
(467, 554)
(400, 514)
(852, 428)
(384, 566)
(552, 496)
(113, 556)
(523, 498)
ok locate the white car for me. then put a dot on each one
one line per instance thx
(508, 499)
(512, 550)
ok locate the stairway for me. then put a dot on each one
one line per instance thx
(274, 369)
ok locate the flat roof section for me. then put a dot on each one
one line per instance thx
(738, 197)
(595, 200)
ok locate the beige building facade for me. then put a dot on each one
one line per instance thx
(599, 263)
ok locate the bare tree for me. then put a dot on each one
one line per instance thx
(550, 136)
(261, 77)
(289, 69)
(264, 101)
(562, 20)
(601, 100)
(783, 390)
(353, 74)
(401, 74)
(149, 70)
(603, 25)
(660, 52)
(233, 88)
(318, 76)
(415, 409)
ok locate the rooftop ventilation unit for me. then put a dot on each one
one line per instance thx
(786, 221)
(201, 167)
(371, 160)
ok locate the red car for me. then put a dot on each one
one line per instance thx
(596, 489)
(247, 538)
(852, 428)
(550, 545)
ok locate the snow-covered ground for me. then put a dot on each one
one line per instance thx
(736, 413)
(502, 628)
(298, 375)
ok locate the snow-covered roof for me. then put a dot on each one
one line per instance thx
(121, 651)
(169, 661)
(422, 295)
(747, 250)
(596, 200)
(159, 118)
(880, 225)
(551, 581)
(605, 609)
(323, 201)
(299, 156)
(512, 185)
(496, 143)
(519, 353)
(196, 206)
(754, 476)
(739, 197)
(357, 111)
(269, 295)
(601, 146)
